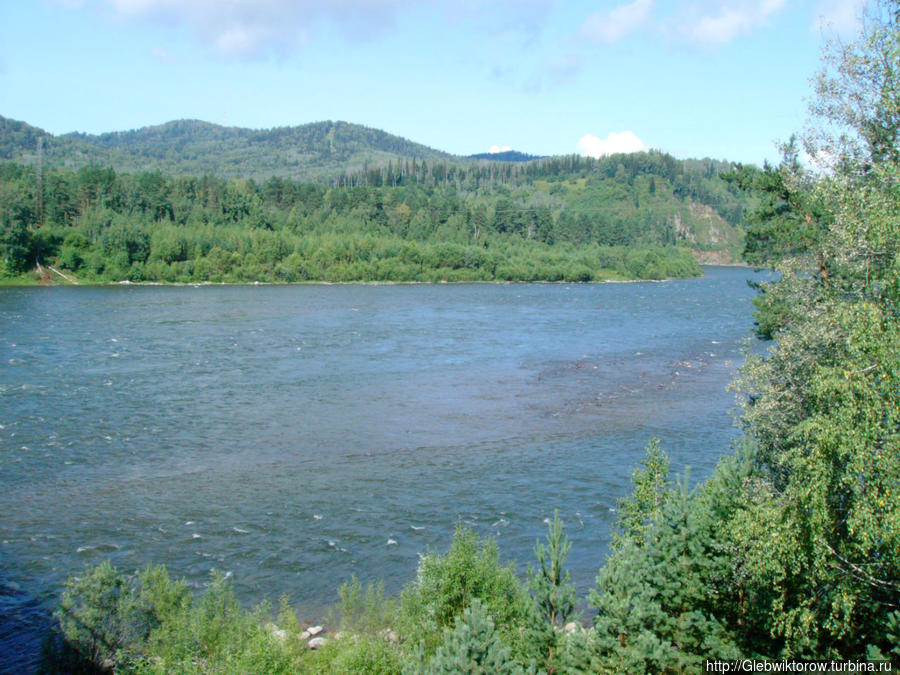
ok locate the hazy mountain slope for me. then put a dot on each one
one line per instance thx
(506, 156)
(195, 147)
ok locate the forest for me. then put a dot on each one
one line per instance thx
(306, 152)
(790, 550)
(560, 219)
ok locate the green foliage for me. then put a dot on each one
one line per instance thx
(213, 635)
(858, 95)
(652, 491)
(364, 654)
(657, 598)
(817, 550)
(146, 623)
(366, 610)
(15, 237)
(579, 655)
(104, 614)
(472, 646)
(553, 592)
(15, 246)
(829, 474)
(446, 585)
(787, 222)
(102, 226)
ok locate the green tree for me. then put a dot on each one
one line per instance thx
(818, 548)
(105, 616)
(472, 646)
(857, 97)
(651, 492)
(553, 592)
(446, 584)
(15, 244)
(658, 598)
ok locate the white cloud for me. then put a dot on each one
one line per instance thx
(840, 16)
(731, 20)
(495, 149)
(612, 26)
(499, 16)
(250, 28)
(625, 141)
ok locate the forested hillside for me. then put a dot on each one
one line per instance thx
(337, 201)
(193, 147)
(640, 216)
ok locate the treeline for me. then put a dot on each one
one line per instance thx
(688, 179)
(101, 225)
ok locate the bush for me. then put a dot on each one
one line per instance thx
(446, 585)
(357, 654)
(105, 616)
(366, 611)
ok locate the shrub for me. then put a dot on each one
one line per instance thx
(446, 585)
(105, 616)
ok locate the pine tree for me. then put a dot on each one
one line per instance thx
(650, 494)
(472, 646)
(553, 592)
(657, 599)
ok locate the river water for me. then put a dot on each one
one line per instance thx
(290, 436)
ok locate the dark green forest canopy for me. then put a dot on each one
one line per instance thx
(644, 215)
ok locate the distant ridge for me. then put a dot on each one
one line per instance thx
(303, 152)
(506, 156)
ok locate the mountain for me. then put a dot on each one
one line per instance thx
(18, 140)
(304, 152)
(506, 156)
(639, 199)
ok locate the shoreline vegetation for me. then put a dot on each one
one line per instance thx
(26, 281)
(35, 278)
(640, 216)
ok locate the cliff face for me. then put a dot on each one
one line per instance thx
(723, 257)
(713, 240)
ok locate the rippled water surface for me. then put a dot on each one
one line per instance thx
(293, 436)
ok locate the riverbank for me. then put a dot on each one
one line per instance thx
(38, 278)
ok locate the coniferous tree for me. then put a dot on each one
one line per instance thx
(553, 592)
(471, 646)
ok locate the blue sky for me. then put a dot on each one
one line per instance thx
(723, 79)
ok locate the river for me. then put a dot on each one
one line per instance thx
(290, 436)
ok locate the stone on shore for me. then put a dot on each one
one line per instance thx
(389, 635)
